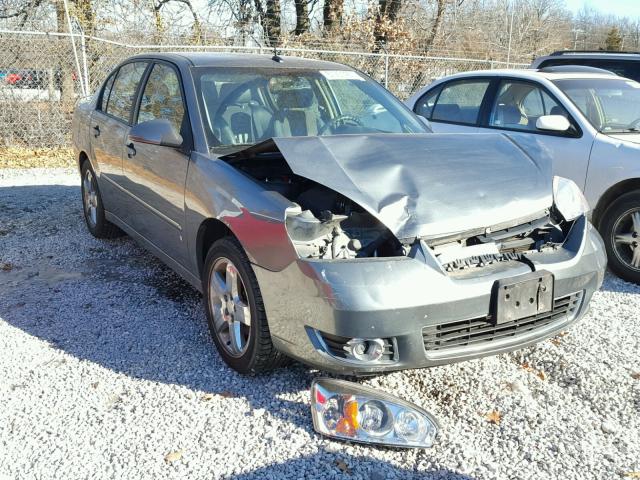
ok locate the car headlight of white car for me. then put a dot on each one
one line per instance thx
(569, 199)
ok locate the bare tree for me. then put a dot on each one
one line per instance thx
(302, 17)
(269, 18)
(332, 13)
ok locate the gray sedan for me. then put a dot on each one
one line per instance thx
(323, 222)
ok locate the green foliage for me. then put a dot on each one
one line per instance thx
(614, 40)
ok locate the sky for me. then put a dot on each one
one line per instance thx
(622, 8)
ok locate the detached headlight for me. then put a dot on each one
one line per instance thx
(353, 412)
(568, 199)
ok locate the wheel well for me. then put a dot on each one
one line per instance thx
(210, 231)
(610, 195)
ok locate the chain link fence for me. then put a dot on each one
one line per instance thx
(43, 75)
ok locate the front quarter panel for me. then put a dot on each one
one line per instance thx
(216, 190)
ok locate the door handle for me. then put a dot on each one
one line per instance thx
(96, 130)
(131, 150)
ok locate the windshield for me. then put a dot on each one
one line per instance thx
(611, 105)
(243, 106)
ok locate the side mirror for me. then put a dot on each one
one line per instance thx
(426, 122)
(158, 131)
(553, 123)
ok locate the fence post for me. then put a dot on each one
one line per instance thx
(386, 66)
(83, 46)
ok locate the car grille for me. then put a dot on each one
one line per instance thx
(335, 346)
(481, 330)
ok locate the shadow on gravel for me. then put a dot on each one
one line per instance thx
(338, 465)
(112, 303)
(612, 283)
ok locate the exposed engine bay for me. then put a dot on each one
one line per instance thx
(327, 225)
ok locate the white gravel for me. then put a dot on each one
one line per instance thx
(107, 371)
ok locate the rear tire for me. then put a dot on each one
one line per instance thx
(620, 228)
(93, 207)
(235, 311)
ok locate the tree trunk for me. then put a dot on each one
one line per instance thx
(387, 10)
(65, 60)
(437, 22)
(272, 22)
(302, 17)
(86, 15)
(332, 14)
(157, 20)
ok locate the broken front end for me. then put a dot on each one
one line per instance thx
(401, 261)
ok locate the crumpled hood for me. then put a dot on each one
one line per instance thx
(426, 185)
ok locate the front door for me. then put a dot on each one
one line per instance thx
(155, 175)
(518, 105)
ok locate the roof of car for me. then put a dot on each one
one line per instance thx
(590, 54)
(208, 59)
(533, 74)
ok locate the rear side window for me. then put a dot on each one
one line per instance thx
(124, 90)
(106, 92)
(459, 102)
(424, 106)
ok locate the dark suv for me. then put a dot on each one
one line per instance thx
(624, 64)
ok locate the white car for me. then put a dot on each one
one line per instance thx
(588, 119)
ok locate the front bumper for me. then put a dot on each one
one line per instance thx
(405, 299)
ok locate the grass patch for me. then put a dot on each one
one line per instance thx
(24, 157)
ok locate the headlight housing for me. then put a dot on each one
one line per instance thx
(568, 199)
(349, 411)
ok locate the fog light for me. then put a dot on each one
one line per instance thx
(349, 411)
(366, 350)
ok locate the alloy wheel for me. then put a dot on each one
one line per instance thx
(230, 307)
(90, 198)
(626, 235)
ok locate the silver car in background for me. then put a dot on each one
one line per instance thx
(320, 219)
(587, 119)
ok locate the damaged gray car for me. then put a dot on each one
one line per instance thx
(323, 222)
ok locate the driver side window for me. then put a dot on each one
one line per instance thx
(162, 97)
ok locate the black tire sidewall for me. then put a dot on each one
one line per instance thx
(227, 248)
(611, 215)
(96, 230)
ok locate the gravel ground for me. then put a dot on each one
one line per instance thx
(107, 371)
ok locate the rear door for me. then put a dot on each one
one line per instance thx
(155, 175)
(455, 106)
(516, 107)
(109, 128)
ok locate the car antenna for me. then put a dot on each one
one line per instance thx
(276, 57)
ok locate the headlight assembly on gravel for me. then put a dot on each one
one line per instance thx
(568, 199)
(349, 411)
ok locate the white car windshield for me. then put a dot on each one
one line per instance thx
(612, 105)
(244, 106)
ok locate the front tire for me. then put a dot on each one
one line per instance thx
(235, 311)
(620, 227)
(93, 207)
